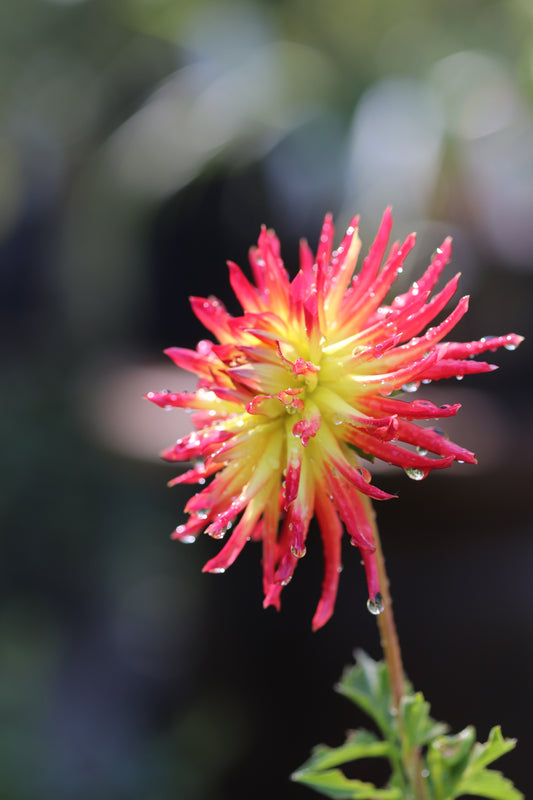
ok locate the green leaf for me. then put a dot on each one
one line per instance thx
(493, 748)
(419, 727)
(367, 685)
(447, 758)
(489, 783)
(457, 766)
(359, 744)
(333, 783)
(479, 781)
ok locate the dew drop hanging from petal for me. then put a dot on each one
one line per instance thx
(415, 474)
(376, 606)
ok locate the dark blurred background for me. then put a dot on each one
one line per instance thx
(142, 143)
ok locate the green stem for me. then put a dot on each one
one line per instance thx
(393, 660)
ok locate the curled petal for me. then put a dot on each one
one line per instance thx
(309, 426)
(263, 404)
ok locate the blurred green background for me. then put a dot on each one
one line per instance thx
(142, 143)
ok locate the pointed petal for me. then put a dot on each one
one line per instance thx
(197, 444)
(469, 349)
(331, 531)
(197, 475)
(415, 409)
(433, 440)
(213, 316)
(451, 368)
(393, 454)
(245, 293)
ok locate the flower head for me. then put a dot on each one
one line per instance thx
(301, 386)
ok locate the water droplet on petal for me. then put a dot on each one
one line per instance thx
(376, 605)
(202, 513)
(188, 538)
(217, 571)
(415, 474)
(459, 377)
(364, 473)
(421, 451)
(337, 419)
(410, 387)
(298, 552)
(510, 346)
(218, 534)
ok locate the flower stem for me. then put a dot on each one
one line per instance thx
(393, 659)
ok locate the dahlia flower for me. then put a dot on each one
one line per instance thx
(301, 387)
